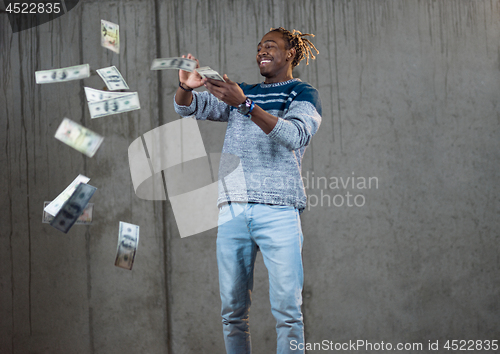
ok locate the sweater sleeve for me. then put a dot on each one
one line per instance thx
(204, 106)
(300, 122)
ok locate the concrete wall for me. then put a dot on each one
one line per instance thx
(410, 98)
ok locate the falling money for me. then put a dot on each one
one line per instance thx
(128, 239)
(127, 102)
(56, 205)
(97, 95)
(174, 63)
(112, 78)
(77, 72)
(78, 137)
(84, 219)
(73, 208)
(110, 36)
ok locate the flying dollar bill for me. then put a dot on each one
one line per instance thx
(85, 219)
(77, 72)
(98, 95)
(207, 72)
(107, 107)
(174, 63)
(112, 78)
(78, 137)
(56, 205)
(73, 208)
(128, 240)
(110, 36)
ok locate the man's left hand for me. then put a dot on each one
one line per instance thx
(229, 92)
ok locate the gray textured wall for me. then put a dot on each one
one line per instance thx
(410, 97)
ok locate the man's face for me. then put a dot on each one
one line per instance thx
(272, 55)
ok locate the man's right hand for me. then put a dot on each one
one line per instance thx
(190, 79)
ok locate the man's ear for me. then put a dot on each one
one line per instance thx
(291, 54)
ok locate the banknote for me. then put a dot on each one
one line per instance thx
(73, 208)
(112, 78)
(78, 137)
(201, 70)
(54, 206)
(128, 240)
(63, 74)
(84, 219)
(98, 95)
(107, 107)
(174, 63)
(207, 72)
(110, 36)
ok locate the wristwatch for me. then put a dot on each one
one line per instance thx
(246, 107)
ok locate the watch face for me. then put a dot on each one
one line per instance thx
(243, 109)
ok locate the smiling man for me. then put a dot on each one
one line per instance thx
(269, 126)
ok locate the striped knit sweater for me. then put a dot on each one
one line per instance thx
(271, 163)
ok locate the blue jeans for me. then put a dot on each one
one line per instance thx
(276, 231)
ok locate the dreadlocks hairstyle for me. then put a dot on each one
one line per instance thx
(303, 46)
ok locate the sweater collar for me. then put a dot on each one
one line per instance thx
(276, 84)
